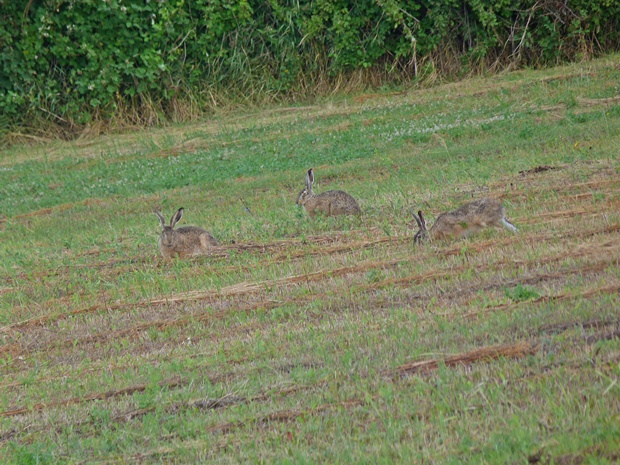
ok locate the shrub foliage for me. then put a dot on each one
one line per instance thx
(74, 61)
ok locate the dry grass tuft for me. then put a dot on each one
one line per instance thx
(484, 355)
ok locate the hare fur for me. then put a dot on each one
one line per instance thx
(329, 203)
(185, 241)
(464, 221)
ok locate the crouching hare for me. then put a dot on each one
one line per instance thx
(185, 241)
(329, 203)
(465, 220)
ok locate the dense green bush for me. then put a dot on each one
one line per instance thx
(72, 61)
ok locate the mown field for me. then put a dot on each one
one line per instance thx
(334, 340)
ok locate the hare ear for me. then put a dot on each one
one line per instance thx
(422, 221)
(417, 220)
(310, 178)
(162, 220)
(176, 217)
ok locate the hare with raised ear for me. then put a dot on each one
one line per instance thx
(185, 241)
(465, 220)
(329, 203)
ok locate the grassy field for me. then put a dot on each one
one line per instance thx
(334, 340)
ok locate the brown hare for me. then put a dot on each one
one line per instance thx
(465, 220)
(185, 241)
(329, 203)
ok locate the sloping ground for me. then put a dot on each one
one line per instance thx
(64, 363)
(341, 342)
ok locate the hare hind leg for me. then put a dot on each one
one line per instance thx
(508, 225)
(205, 244)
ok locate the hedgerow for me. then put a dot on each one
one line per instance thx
(71, 62)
